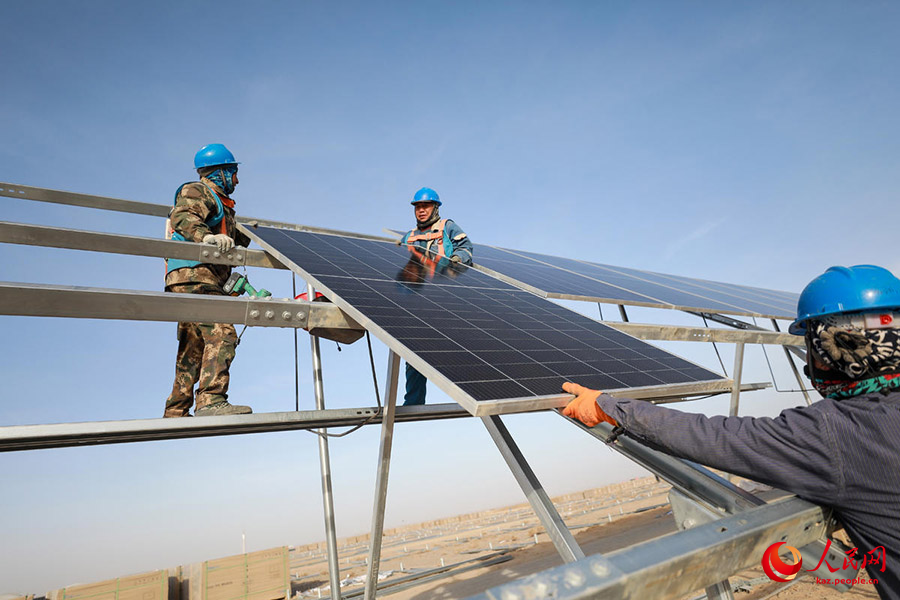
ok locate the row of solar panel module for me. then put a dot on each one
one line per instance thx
(475, 336)
(558, 277)
(566, 278)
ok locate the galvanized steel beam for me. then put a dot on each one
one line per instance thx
(74, 239)
(38, 300)
(537, 497)
(646, 331)
(66, 435)
(800, 382)
(334, 569)
(736, 375)
(797, 350)
(381, 478)
(26, 192)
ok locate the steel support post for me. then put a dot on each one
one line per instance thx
(790, 360)
(334, 571)
(800, 382)
(622, 313)
(540, 502)
(381, 481)
(738, 368)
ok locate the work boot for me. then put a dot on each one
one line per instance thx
(221, 407)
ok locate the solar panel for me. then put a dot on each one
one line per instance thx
(559, 277)
(490, 346)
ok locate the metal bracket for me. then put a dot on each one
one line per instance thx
(690, 513)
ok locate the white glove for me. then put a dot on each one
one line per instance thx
(220, 240)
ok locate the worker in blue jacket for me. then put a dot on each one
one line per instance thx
(842, 452)
(436, 240)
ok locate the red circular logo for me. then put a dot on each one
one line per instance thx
(777, 569)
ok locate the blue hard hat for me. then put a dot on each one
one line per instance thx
(841, 290)
(213, 155)
(426, 194)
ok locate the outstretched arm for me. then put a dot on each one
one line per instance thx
(795, 451)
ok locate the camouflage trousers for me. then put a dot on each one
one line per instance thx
(205, 352)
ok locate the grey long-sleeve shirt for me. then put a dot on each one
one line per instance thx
(842, 454)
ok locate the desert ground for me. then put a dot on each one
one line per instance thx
(464, 555)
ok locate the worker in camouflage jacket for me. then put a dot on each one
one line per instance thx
(204, 213)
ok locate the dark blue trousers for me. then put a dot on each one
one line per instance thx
(415, 387)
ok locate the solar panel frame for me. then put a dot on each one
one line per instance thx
(462, 392)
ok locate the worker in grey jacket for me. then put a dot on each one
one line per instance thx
(842, 452)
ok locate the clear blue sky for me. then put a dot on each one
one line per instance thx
(754, 143)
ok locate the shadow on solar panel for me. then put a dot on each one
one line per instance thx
(492, 347)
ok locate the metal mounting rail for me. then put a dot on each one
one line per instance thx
(75, 239)
(64, 435)
(646, 331)
(38, 300)
(26, 192)
(798, 350)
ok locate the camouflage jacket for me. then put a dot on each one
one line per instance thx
(194, 205)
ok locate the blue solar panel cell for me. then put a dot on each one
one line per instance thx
(481, 339)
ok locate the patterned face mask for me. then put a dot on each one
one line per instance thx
(859, 360)
(224, 178)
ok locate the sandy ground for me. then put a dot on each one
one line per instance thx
(602, 520)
